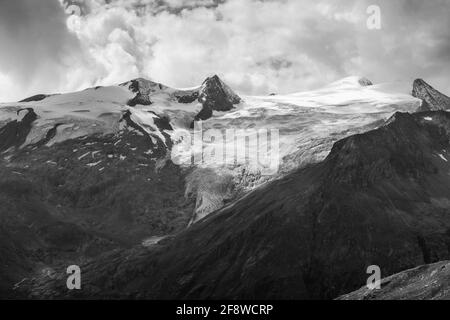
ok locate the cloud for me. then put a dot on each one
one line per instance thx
(36, 47)
(256, 46)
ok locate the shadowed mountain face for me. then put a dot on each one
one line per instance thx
(432, 99)
(380, 198)
(15, 132)
(428, 282)
(73, 201)
(215, 95)
(111, 185)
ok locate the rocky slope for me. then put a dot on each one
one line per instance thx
(380, 198)
(428, 282)
(90, 172)
(74, 200)
(432, 99)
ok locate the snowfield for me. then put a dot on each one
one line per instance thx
(314, 120)
(308, 124)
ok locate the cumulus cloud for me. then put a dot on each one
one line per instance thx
(256, 46)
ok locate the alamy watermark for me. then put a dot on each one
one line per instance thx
(374, 281)
(256, 149)
(374, 18)
(74, 280)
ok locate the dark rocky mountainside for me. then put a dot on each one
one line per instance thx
(382, 197)
(70, 202)
(217, 96)
(14, 133)
(428, 282)
(432, 99)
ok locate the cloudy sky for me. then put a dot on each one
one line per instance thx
(257, 46)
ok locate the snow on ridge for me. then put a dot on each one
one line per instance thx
(300, 117)
(308, 124)
(346, 99)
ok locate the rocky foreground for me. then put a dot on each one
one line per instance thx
(429, 282)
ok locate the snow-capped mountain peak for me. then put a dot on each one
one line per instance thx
(218, 95)
(308, 123)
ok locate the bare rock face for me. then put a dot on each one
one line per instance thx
(428, 282)
(432, 100)
(15, 133)
(365, 82)
(143, 89)
(215, 95)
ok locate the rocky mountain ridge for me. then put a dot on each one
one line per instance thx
(432, 99)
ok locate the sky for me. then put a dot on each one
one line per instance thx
(256, 46)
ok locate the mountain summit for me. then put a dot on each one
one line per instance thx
(215, 95)
(432, 100)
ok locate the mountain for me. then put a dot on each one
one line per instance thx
(101, 176)
(379, 198)
(432, 99)
(308, 124)
(215, 95)
(428, 282)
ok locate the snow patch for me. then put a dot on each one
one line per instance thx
(84, 156)
(94, 164)
(442, 157)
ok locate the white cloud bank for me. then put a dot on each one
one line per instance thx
(257, 46)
